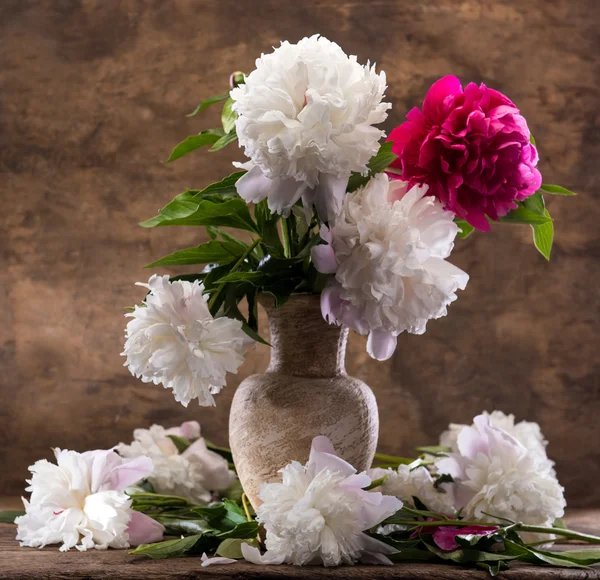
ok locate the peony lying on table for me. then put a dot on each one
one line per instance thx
(486, 500)
(324, 205)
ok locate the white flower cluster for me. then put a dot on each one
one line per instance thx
(388, 250)
(497, 474)
(305, 120)
(193, 474)
(318, 513)
(80, 502)
(174, 340)
(499, 468)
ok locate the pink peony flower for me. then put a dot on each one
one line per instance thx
(471, 147)
(445, 536)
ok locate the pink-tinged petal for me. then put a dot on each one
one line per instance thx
(322, 456)
(143, 529)
(130, 472)
(190, 430)
(378, 507)
(331, 303)
(206, 561)
(253, 186)
(323, 255)
(370, 545)
(254, 556)
(381, 344)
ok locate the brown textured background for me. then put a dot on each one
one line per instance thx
(94, 95)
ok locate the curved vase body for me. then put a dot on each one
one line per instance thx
(304, 393)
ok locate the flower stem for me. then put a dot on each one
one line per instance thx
(245, 505)
(286, 236)
(235, 268)
(392, 459)
(517, 527)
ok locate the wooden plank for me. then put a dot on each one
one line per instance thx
(49, 564)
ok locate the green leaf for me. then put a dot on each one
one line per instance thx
(584, 557)
(536, 203)
(168, 548)
(184, 210)
(208, 253)
(228, 116)
(533, 556)
(543, 236)
(242, 530)
(380, 161)
(466, 228)
(267, 228)
(194, 142)
(493, 569)
(224, 141)
(255, 278)
(532, 140)
(180, 442)
(8, 517)
(207, 103)
(469, 555)
(232, 547)
(522, 215)
(183, 526)
(556, 189)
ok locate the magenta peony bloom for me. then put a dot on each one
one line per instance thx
(471, 147)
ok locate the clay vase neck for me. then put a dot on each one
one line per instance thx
(304, 344)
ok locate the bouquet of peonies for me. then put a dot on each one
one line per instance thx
(486, 496)
(322, 205)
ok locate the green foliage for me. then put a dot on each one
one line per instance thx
(555, 189)
(188, 209)
(524, 215)
(207, 103)
(543, 236)
(466, 228)
(225, 140)
(172, 548)
(8, 517)
(232, 547)
(180, 442)
(208, 253)
(228, 116)
(193, 142)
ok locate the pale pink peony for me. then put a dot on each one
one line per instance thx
(471, 147)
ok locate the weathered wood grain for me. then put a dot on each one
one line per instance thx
(94, 95)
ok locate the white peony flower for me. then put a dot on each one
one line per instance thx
(318, 513)
(305, 120)
(388, 250)
(495, 474)
(526, 432)
(80, 502)
(174, 340)
(405, 484)
(192, 474)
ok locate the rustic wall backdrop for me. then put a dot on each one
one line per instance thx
(94, 95)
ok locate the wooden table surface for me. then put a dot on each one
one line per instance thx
(49, 564)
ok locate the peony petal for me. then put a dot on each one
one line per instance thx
(253, 186)
(322, 456)
(381, 344)
(143, 529)
(206, 561)
(328, 196)
(254, 556)
(190, 430)
(323, 255)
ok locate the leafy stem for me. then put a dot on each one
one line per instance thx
(235, 268)
(245, 505)
(286, 235)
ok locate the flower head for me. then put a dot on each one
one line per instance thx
(388, 250)
(305, 120)
(495, 474)
(527, 433)
(471, 147)
(406, 483)
(80, 502)
(174, 340)
(192, 474)
(318, 513)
